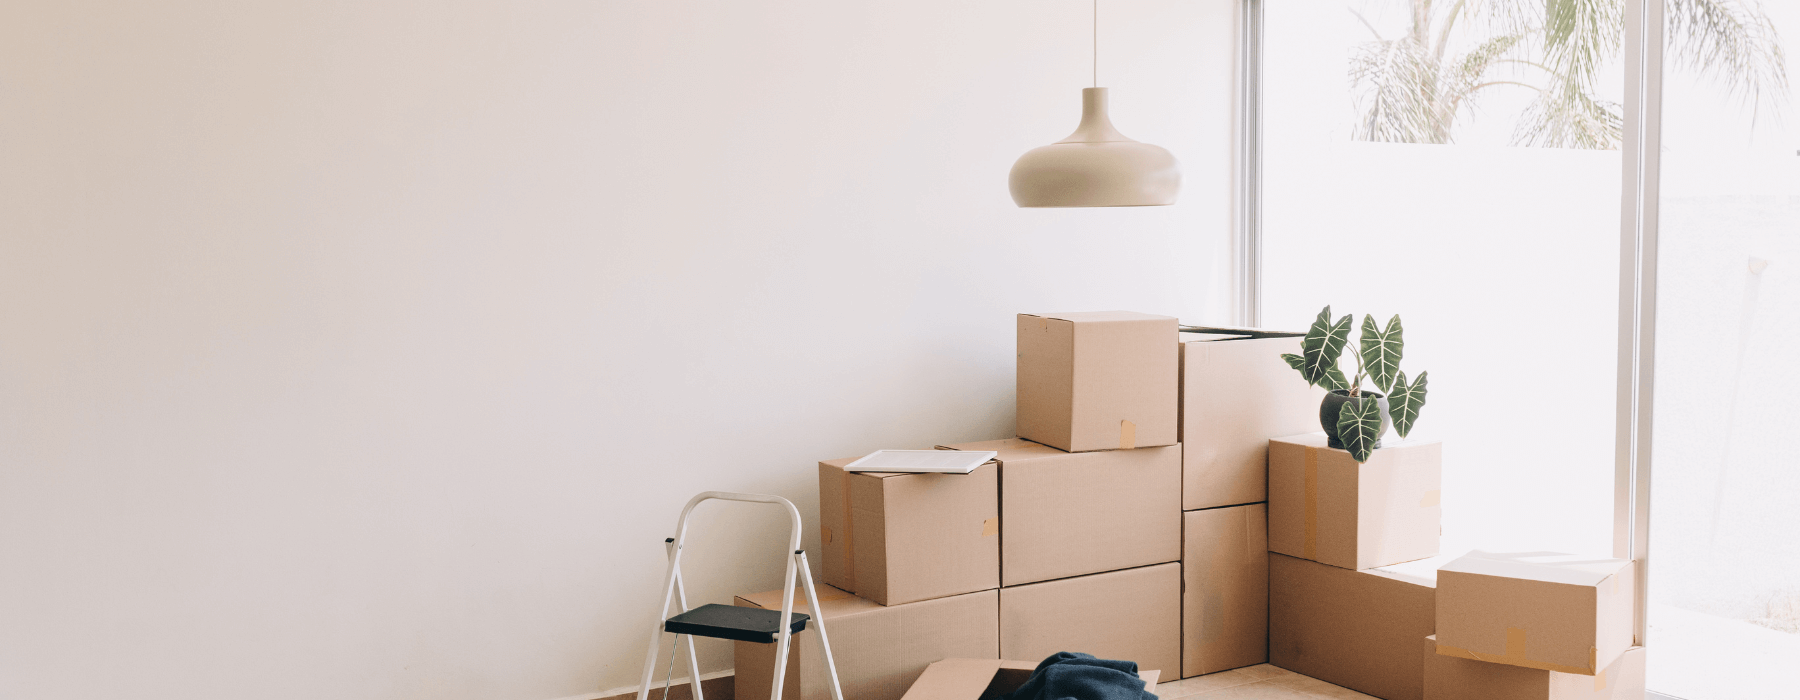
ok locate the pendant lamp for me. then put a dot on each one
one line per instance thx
(1096, 166)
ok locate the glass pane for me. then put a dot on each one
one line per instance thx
(1456, 165)
(1725, 516)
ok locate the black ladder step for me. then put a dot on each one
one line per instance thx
(733, 622)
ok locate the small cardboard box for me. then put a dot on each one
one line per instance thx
(880, 650)
(1542, 610)
(1236, 393)
(1325, 507)
(1069, 514)
(981, 679)
(1097, 380)
(1225, 589)
(1357, 629)
(1134, 615)
(1452, 678)
(900, 538)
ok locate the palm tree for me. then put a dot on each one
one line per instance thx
(1414, 88)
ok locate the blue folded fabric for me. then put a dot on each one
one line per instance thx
(1073, 676)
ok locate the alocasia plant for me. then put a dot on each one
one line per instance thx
(1378, 353)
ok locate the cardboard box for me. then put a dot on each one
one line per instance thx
(1236, 393)
(900, 538)
(1325, 507)
(1098, 380)
(1224, 589)
(1452, 678)
(1068, 514)
(1542, 610)
(1357, 629)
(880, 650)
(1134, 615)
(981, 679)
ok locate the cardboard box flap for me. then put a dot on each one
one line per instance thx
(1197, 337)
(1101, 316)
(1010, 449)
(1547, 567)
(1221, 332)
(981, 679)
(1422, 572)
(836, 603)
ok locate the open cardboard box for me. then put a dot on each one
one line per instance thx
(982, 679)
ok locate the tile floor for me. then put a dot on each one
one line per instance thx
(1263, 682)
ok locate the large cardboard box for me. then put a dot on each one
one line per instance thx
(1452, 678)
(982, 679)
(1357, 629)
(1236, 393)
(1542, 610)
(1325, 507)
(899, 538)
(1133, 615)
(1067, 514)
(1097, 380)
(1225, 589)
(880, 650)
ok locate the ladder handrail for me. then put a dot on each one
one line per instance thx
(702, 497)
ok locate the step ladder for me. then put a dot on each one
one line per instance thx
(732, 622)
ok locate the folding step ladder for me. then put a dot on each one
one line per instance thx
(732, 622)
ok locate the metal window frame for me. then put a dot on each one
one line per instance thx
(1641, 170)
(1641, 154)
(1248, 183)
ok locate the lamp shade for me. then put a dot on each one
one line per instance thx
(1095, 167)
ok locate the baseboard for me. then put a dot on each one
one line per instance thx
(718, 685)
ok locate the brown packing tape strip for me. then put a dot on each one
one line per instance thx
(1432, 498)
(825, 534)
(990, 527)
(1515, 655)
(1127, 435)
(1312, 504)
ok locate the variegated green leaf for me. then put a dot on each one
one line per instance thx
(1359, 426)
(1405, 401)
(1335, 380)
(1296, 362)
(1381, 351)
(1323, 344)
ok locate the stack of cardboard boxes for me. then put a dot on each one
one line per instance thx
(1072, 538)
(1347, 608)
(1148, 511)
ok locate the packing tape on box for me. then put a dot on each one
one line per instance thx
(1432, 498)
(990, 527)
(1600, 680)
(1515, 655)
(1312, 503)
(825, 534)
(1127, 435)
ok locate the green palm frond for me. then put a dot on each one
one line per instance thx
(1398, 79)
(1568, 116)
(1581, 36)
(1732, 43)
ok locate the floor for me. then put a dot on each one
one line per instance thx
(1263, 682)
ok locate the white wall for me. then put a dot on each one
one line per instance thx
(368, 350)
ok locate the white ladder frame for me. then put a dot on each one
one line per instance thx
(796, 570)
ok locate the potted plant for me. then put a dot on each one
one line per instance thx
(1354, 418)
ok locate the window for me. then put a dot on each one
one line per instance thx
(1428, 160)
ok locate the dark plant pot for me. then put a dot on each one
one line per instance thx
(1334, 401)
